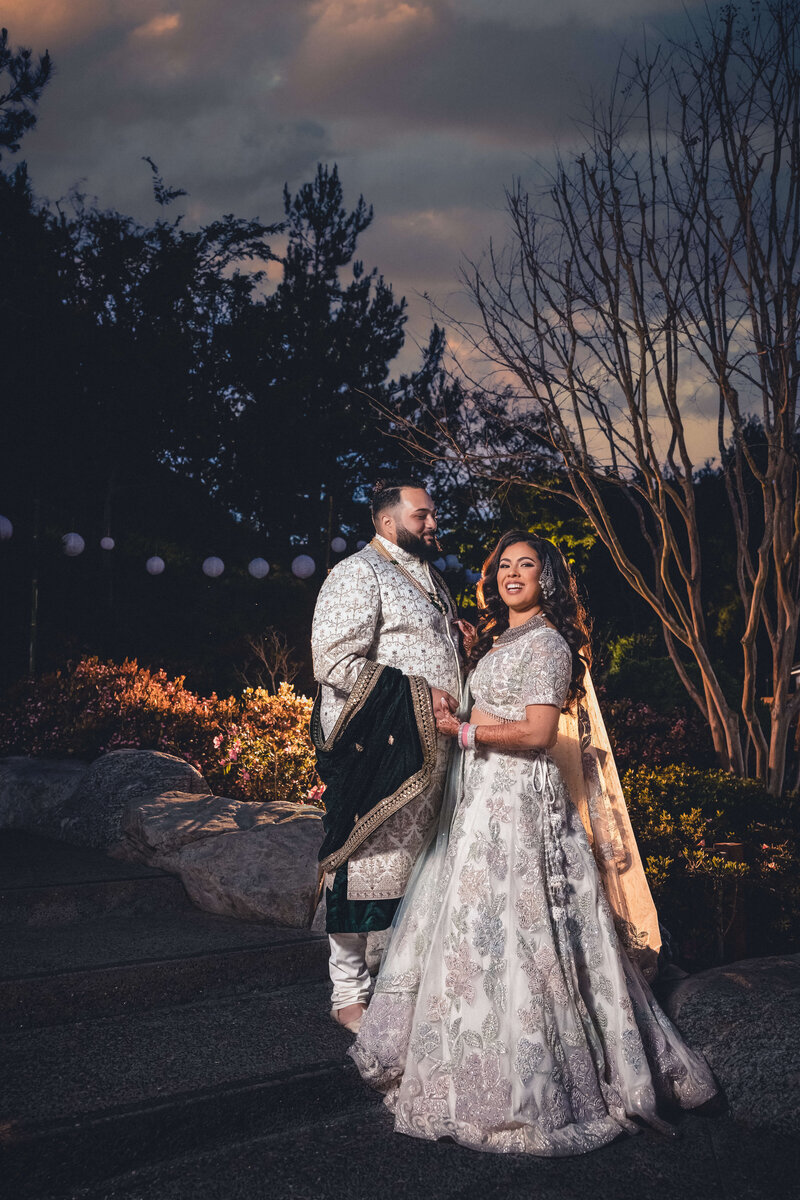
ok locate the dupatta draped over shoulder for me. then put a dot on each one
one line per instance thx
(379, 755)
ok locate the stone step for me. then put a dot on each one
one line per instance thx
(357, 1154)
(98, 1098)
(52, 976)
(44, 882)
(29, 860)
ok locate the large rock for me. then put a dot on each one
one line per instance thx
(34, 792)
(156, 830)
(117, 782)
(268, 872)
(745, 1017)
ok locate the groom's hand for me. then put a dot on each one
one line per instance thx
(442, 702)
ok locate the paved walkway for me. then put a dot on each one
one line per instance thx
(154, 1052)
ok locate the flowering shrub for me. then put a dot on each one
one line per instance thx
(252, 747)
(723, 860)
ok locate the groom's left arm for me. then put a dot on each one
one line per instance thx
(345, 624)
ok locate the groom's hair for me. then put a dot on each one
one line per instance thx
(386, 493)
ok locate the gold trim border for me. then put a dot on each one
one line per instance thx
(412, 787)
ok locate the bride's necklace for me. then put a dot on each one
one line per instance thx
(516, 631)
(433, 597)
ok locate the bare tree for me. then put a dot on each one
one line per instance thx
(271, 662)
(659, 270)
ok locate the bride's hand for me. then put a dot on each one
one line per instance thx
(446, 723)
(469, 635)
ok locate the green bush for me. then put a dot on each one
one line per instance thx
(723, 860)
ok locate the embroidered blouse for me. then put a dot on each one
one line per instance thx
(534, 668)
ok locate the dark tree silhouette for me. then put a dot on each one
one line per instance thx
(299, 448)
(23, 82)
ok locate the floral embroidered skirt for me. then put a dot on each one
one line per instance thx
(507, 1015)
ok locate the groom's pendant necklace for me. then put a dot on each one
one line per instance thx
(434, 599)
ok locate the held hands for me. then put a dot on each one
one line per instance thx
(444, 706)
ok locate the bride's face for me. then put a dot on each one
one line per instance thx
(518, 577)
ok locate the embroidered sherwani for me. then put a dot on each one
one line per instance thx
(368, 611)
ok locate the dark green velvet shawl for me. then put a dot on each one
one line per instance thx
(379, 755)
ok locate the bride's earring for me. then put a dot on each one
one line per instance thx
(547, 581)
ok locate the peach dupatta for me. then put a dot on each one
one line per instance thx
(584, 757)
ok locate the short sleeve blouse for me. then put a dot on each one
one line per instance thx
(535, 668)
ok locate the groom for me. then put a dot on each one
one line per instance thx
(385, 643)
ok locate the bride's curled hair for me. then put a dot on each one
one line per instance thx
(562, 608)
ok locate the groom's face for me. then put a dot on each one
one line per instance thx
(412, 525)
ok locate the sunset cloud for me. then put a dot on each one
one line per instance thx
(158, 26)
(430, 108)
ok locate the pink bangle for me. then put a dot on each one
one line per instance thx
(466, 735)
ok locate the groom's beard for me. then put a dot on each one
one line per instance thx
(420, 547)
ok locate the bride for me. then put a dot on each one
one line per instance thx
(511, 1012)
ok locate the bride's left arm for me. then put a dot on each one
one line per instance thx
(538, 731)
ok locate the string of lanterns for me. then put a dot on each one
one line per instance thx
(303, 566)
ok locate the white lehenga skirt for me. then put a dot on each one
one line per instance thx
(506, 1014)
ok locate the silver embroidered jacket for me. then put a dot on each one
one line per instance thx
(367, 610)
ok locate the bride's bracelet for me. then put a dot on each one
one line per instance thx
(466, 736)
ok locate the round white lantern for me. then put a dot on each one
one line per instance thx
(213, 567)
(338, 545)
(360, 545)
(303, 566)
(6, 529)
(73, 544)
(452, 562)
(440, 564)
(107, 543)
(472, 576)
(155, 565)
(258, 568)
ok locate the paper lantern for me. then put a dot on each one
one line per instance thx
(452, 562)
(73, 544)
(472, 576)
(258, 568)
(440, 564)
(6, 529)
(338, 545)
(360, 545)
(107, 543)
(155, 565)
(213, 567)
(303, 566)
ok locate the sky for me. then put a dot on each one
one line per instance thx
(430, 108)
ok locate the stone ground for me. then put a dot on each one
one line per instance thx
(154, 1052)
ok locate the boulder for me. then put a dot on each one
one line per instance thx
(745, 1017)
(116, 783)
(156, 830)
(34, 792)
(266, 873)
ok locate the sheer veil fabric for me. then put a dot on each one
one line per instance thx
(585, 760)
(507, 1015)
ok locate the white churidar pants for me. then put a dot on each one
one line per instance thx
(352, 983)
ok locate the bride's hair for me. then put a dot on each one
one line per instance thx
(562, 608)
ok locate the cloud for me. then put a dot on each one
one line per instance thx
(430, 108)
(164, 23)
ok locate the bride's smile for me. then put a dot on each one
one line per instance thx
(518, 582)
